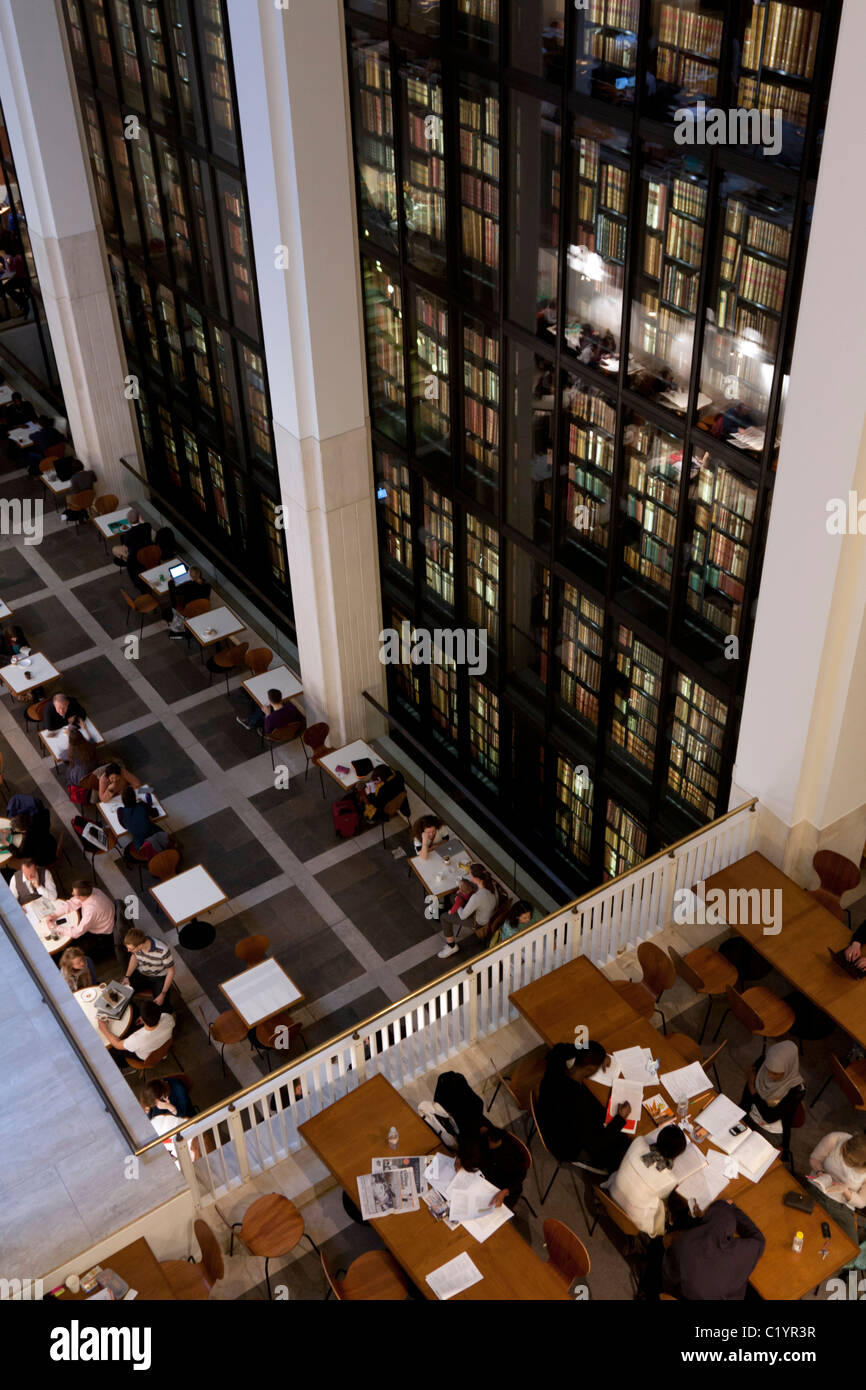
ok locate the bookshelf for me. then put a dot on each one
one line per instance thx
(573, 817)
(689, 47)
(590, 426)
(671, 256)
(374, 140)
(444, 701)
(481, 411)
(482, 576)
(653, 466)
(780, 44)
(431, 393)
(484, 728)
(258, 415)
(238, 257)
(581, 646)
(424, 164)
(478, 112)
(406, 676)
(637, 692)
(438, 545)
(383, 313)
(606, 59)
(529, 603)
(394, 501)
(696, 743)
(598, 240)
(478, 26)
(723, 508)
(625, 840)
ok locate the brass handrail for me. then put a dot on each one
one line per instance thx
(370, 1022)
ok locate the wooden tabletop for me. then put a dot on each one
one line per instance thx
(800, 950)
(641, 1033)
(137, 1264)
(576, 994)
(353, 1131)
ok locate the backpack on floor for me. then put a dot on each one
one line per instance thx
(346, 818)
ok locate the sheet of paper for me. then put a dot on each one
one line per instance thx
(720, 1115)
(723, 1163)
(636, 1064)
(394, 1163)
(729, 1143)
(686, 1082)
(626, 1092)
(703, 1187)
(440, 1172)
(484, 1226)
(470, 1195)
(755, 1155)
(605, 1076)
(452, 1278)
(690, 1161)
(387, 1194)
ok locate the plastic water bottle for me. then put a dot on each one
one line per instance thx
(797, 1244)
(393, 1137)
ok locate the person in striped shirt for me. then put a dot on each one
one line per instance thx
(151, 964)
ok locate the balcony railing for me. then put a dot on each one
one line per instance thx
(258, 1127)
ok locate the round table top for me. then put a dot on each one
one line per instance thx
(272, 1226)
(87, 998)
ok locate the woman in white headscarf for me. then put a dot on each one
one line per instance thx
(773, 1093)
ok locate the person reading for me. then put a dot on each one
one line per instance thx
(570, 1117)
(280, 713)
(773, 1093)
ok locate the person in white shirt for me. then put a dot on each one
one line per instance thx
(838, 1173)
(156, 1030)
(645, 1178)
(30, 882)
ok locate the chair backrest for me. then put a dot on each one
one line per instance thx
(252, 949)
(518, 1149)
(393, 806)
(81, 501)
(533, 1096)
(331, 1277)
(196, 608)
(526, 1076)
(708, 1061)
(130, 602)
(153, 1058)
(829, 901)
(667, 1298)
(164, 865)
(621, 1219)
(148, 556)
(685, 971)
(36, 711)
(182, 1077)
(566, 1252)
(259, 659)
(56, 451)
(105, 504)
(211, 1256)
(237, 654)
(799, 1116)
(658, 969)
(316, 735)
(743, 1011)
(47, 464)
(846, 1083)
(837, 874)
(286, 733)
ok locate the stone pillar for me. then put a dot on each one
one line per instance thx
(53, 172)
(802, 748)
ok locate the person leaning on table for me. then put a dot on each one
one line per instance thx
(570, 1117)
(645, 1178)
(713, 1261)
(151, 964)
(427, 833)
(31, 882)
(155, 1031)
(95, 909)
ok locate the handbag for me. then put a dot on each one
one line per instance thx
(79, 795)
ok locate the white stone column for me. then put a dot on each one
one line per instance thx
(802, 747)
(290, 72)
(53, 173)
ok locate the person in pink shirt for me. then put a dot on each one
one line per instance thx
(96, 911)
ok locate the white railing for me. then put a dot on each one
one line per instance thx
(258, 1127)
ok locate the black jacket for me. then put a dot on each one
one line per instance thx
(52, 720)
(572, 1123)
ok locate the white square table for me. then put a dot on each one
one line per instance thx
(118, 520)
(57, 740)
(5, 610)
(214, 626)
(437, 876)
(5, 393)
(260, 992)
(280, 678)
(25, 433)
(186, 895)
(37, 671)
(344, 757)
(157, 578)
(55, 484)
(109, 809)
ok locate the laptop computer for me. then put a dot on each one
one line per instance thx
(849, 966)
(179, 572)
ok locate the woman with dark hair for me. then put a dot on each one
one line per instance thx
(82, 758)
(646, 1178)
(520, 915)
(384, 786)
(712, 1261)
(427, 833)
(570, 1117)
(32, 839)
(12, 639)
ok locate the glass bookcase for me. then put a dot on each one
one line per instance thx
(779, 48)
(696, 745)
(687, 48)
(589, 440)
(650, 503)
(581, 644)
(424, 167)
(573, 809)
(595, 264)
(438, 538)
(383, 312)
(430, 364)
(637, 690)
(721, 514)
(478, 111)
(481, 410)
(374, 140)
(625, 840)
(606, 53)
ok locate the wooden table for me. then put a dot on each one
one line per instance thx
(88, 998)
(260, 992)
(113, 524)
(214, 626)
(280, 678)
(57, 740)
(438, 877)
(800, 950)
(109, 809)
(353, 1131)
(641, 1033)
(37, 671)
(186, 895)
(137, 1264)
(576, 994)
(56, 486)
(343, 757)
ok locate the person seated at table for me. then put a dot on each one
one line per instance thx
(31, 882)
(18, 412)
(60, 709)
(167, 1095)
(77, 968)
(82, 481)
(95, 915)
(113, 781)
(645, 1178)
(136, 817)
(12, 639)
(82, 758)
(458, 1104)
(135, 538)
(855, 951)
(155, 1031)
(497, 1156)
(151, 965)
(427, 833)
(45, 438)
(281, 712)
(773, 1093)
(31, 838)
(712, 1261)
(478, 910)
(570, 1117)
(521, 915)
(838, 1177)
(384, 786)
(68, 467)
(194, 587)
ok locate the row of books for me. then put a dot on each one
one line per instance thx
(480, 237)
(720, 616)
(769, 237)
(689, 197)
(484, 457)
(680, 287)
(581, 699)
(652, 257)
(613, 189)
(480, 344)
(610, 239)
(477, 192)
(762, 282)
(736, 319)
(478, 153)
(439, 581)
(667, 335)
(617, 50)
(426, 94)
(486, 10)
(705, 805)
(697, 709)
(590, 447)
(377, 73)
(637, 739)
(726, 583)
(685, 29)
(690, 74)
(727, 555)
(376, 114)
(596, 529)
(419, 137)
(772, 96)
(784, 37)
(483, 381)
(656, 206)
(626, 834)
(432, 419)
(592, 407)
(480, 114)
(376, 151)
(586, 202)
(688, 752)
(620, 14)
(581, 480)
(580, 665)
(482, 420)
(652, 561)
(655, 486)
(734, 501)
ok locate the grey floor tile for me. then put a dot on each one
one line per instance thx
(49, 628)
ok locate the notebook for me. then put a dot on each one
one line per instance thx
(178, 573)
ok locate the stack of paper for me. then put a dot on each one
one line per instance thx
(440, 1172)
(754, 1156)
(636, 1064)
(625, 1092)
(720, 1116)
(702, 1188)
(466, 1198)
(453, 1278)
(469, 1195)
(686, 1082)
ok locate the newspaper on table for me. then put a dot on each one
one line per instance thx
(387, 1194)
(396, 1163)
(455, 1276)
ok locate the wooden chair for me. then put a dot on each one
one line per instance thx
(105, 504)
(225, 1030)
(287, 734)
(830, 903)
(837, 876)
(760, 1010)
(523, 1078)
(189, 1281)
(567, 1255)
(851, 1080)
(252, 949)
(4, 788)
(392, 808)
(314, 742)
(522, 1156)
(570, 1164)
(57, 451)
(33, 716)
(708, 972)
(228, 661)
(667, 1298)
(375, 1277)
(623, 1233)
(691, 1051)
(266, 1034)
(78, 505)
(258, 660)
(658, 975)
(148, 556)
(164, 865)
(195, 608)
(146, 603)
(271, 1227)
(145, 1064)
